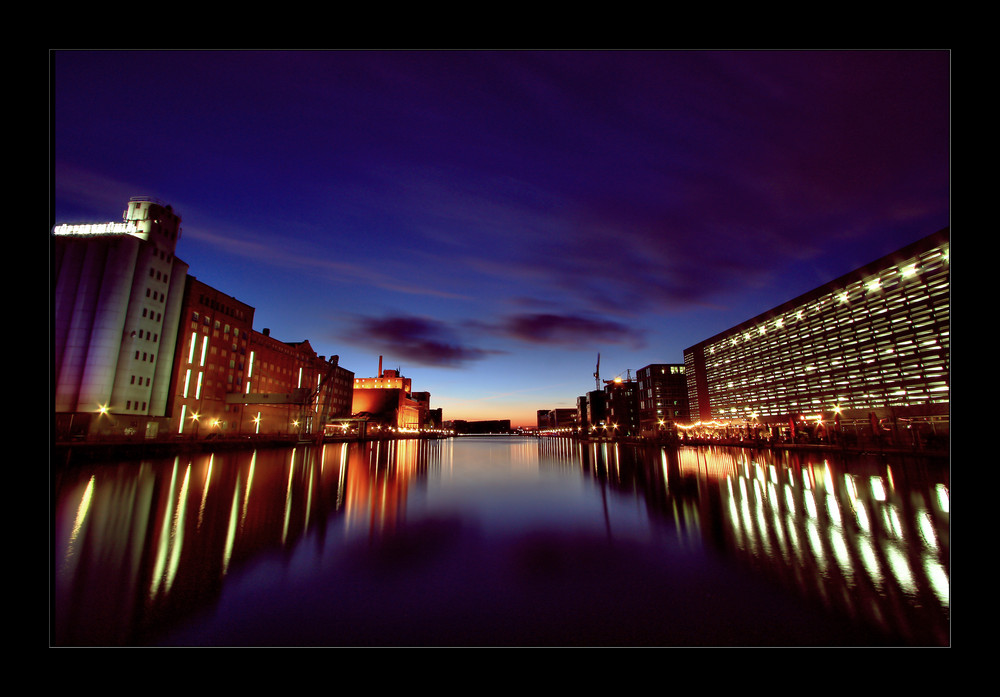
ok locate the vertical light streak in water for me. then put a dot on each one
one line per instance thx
(776, 522)
(177, 543)
(833, 509)
(938, 579)
(164, 546)
(810, 504)
(843, 556)
(891, 519)
(234, 515)
(762, 527)
(734, 514)
(81, 515)
(864, 522)
(878, 489)
(900, 567)
(816, 545)
(309, 494)
(943, 499)
(869, 558)
(926, 528)
(246, 496)
(204, 495)
(288, 499)
(342, 475)
(745, 516)
(791, 516)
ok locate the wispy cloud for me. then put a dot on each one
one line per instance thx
(270, 251)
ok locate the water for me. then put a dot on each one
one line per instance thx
(501, 541)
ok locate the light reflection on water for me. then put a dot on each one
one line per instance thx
(501, 541)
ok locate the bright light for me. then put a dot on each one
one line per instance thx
(127, 228)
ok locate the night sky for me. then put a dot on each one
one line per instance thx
(491, 221)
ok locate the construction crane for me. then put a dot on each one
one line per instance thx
(325, 411)
(597, 375)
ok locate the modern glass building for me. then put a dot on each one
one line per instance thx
(871, 344)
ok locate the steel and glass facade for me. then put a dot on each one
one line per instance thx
(874, 340)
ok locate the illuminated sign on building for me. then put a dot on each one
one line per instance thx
(126, 228)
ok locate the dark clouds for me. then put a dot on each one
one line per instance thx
(567, 330)
(417, 339)
(435, 343)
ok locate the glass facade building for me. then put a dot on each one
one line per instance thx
(875, 341)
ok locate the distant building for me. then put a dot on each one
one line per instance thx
(117, 305)
(542, 419)
(872, 344)
(557, 419)
(495, 426)
(562, 418)
(663, 397)
(622, 408)
(596, 417)
(386, 401)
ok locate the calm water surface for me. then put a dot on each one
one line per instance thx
(502, 541)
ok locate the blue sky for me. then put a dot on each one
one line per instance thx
(491, 221)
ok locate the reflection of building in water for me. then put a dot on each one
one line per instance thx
(874, 343)
(117, 303)
(848, 539)
(379, 476)
(198, 517)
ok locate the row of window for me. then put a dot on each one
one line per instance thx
(226, 309)
(898, 338)
(158, 275)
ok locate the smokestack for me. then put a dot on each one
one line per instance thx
(379, 367)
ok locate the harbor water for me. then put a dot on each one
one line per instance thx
(502, 541)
